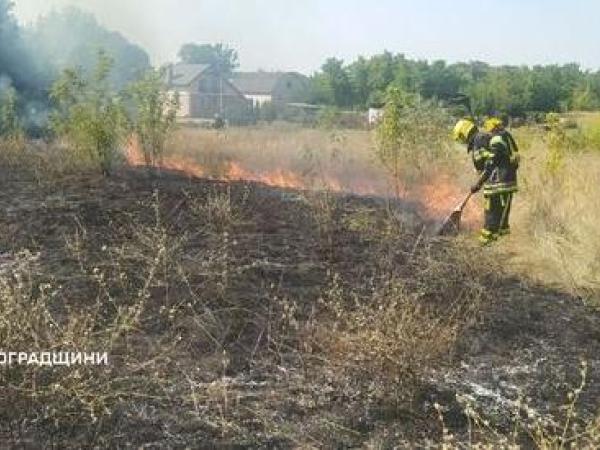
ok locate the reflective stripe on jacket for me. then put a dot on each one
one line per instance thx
(496, 157)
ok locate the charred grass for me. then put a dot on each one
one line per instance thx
(231, 312)
(237, 315)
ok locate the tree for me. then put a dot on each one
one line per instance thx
(584, 98)
(337, 82)
(441, 81)
(503, 89)
(389, 146)
(358, 73)
(406, 77)
(153, 116)
(320, 91)
(381, 71)
(88, 115)
(545, 89)
(411, 137)
(222, 58)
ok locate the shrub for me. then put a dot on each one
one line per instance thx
(411, 136)
(154, 115)
(10, 126)
(89, 116)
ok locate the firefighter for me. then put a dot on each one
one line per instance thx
(495, 125)
(495, 157)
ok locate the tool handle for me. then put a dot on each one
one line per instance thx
(465, 201)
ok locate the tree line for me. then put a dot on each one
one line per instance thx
(32, 57)
(514, 90)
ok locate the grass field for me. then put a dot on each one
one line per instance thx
(555, 241)
(334, 160)
(247, 300)
(554, 217)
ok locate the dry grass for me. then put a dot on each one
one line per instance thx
(556, 220)
(156, 300)
(527, 428)
(405, 322)
(342, 160)
(43, 161)
(330, 160)
(234, 314)
(213, 303)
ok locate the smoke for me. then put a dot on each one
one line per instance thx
(5, 83)
(33, 56)
(15, 61)
(71, 38)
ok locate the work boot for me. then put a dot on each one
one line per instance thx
(504, 232)
(487, 237)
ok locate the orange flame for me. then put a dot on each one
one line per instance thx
(135, 157)
(278, 178)
(437, 196)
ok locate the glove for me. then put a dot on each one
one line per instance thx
(515, 160)
(475, 188)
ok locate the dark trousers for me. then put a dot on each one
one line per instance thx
(497, 213)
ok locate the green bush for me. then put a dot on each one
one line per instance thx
(89, 115)
(154, 115)
(9, 120)
(411, 137)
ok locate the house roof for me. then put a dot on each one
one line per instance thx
(181, 75)
(257, 83)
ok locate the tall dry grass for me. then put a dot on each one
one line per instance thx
(554, 220)
(343, 160)
(556, 216)
(332, 160)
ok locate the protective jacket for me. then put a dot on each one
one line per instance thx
(496, 157)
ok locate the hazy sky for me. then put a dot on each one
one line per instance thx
(300, 34)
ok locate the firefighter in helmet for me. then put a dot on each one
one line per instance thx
(496, 157)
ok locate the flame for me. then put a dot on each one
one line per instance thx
(278, 178)
(437, 197)
(133, 153)
(135, 157)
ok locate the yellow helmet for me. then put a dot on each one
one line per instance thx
(492, 123)
(463, 130)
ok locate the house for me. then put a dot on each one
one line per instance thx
(203, 93)
(277, 88)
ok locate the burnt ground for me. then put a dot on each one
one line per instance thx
(527, 341)
(531, 348)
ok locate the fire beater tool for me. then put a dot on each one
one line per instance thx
(451, 225)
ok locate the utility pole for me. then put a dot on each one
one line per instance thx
(221, 94)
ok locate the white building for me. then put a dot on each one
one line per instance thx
(375, 115)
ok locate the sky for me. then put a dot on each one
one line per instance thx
(301, 34)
